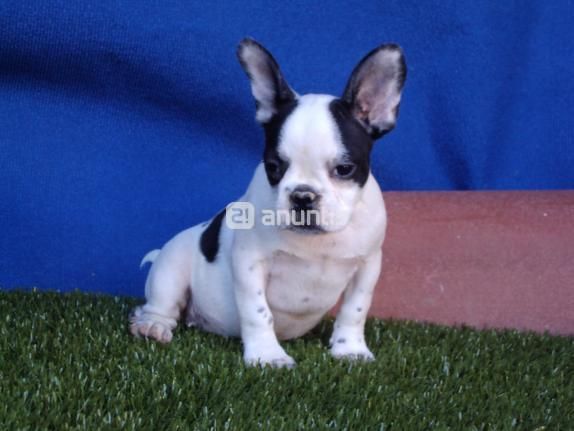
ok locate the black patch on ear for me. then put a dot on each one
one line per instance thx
(355, 139)
(209, 241)
(275, 166)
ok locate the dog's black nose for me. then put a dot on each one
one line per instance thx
(303, 197)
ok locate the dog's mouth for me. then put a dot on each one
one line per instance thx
(306, 230)
(306, 221)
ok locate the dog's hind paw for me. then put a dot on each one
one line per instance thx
(149, 325)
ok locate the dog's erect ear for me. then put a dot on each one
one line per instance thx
(268, 86)
(374, 89)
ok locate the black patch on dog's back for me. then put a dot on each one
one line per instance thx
(355, 139)
(209, 241)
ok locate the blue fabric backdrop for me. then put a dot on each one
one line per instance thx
(123, 122)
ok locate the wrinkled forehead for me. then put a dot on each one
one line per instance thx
(310, 130)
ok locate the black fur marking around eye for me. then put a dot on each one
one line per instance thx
(275, 166)
(355, 139)
(209, 241)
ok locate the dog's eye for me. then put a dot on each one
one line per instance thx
(275, 169)
(272, 167)
(344, 170)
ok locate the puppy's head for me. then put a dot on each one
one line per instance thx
(317, 147)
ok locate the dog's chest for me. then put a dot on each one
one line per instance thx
(300, 291)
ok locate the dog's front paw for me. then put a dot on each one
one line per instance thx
(277, 362)
(148, 325)
(342, 348)
(275, 358)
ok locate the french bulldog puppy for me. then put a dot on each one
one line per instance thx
(315, 224)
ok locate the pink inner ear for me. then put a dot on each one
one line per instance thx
(375, 89)
(377, 103)
(364, 101)
(361, 110)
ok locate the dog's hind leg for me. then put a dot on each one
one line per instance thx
(167, 291)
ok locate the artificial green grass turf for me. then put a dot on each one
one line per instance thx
(68, 362)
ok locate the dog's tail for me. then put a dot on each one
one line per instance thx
(150, 257)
